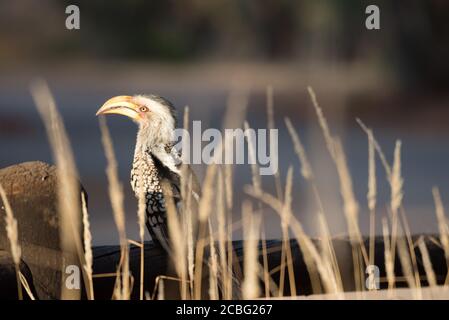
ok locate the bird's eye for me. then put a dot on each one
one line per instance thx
(143, 109)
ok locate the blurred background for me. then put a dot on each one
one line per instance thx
(197, 53)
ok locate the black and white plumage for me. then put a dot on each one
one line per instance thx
(156, 163)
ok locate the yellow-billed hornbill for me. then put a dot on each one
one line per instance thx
(156, 161)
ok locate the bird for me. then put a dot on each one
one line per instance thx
(156, 161)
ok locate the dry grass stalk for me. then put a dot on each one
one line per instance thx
(430, 274)
(88, 255)
(328, 251)
(12, 233)
(235, 114)
(285, 235)
(396, 183)
(236, 107)
(161, 290)
(270, 126)
(68, 186)
(205, 206)
(411, 247)
(221, 221)
(307, 173)
(213, 266)
(122, 291)
(141, 217)
(324, 268)
(257, 183)
(266, 274)
(407, 268)
(306, 170)
(188, 223)
(382, 157)
(312, 258)
(371, 195)
(26, 286)
(395, 180)
(251, 225)
(177, 251)
(227, 169)
(322, 122)
(228, 279)
(442, 226)
(187, 217)
(350, 204)
(389, 262)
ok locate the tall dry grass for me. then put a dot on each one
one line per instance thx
(87, 235)
(12, 232)
(210, 250)
(68, 187)
(122, 289)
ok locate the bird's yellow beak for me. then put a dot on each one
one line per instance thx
(123, 105)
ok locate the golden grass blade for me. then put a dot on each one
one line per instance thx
(266, 274)
(306, 170)
(396, 183)
(371, 195)
(228, 185)
(116, 196)
(12, 233)
(349, 202)
(396, 180)
(177, 252)
(257, 183)
(322, 122)
(141, 218)
(229, 281)
(188, 219)
(382, 157)
(236, 107)
(204, 211)
(221, 221)
(442, 227)
(161, 290)
(26, 286)
(312, 258)
(307, 173)
(235, 114)
(88, 255)
(251, 225)
(68, 185)
(411, 248)
(431, 278)
(213, 266)
(389, 262)
(407, 268)
(271, 126)
(328, 251)
(285, 235)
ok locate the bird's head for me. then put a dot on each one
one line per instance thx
(155, 116)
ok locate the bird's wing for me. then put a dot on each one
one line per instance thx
(169, 177)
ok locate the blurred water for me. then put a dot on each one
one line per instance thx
(424, 156)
